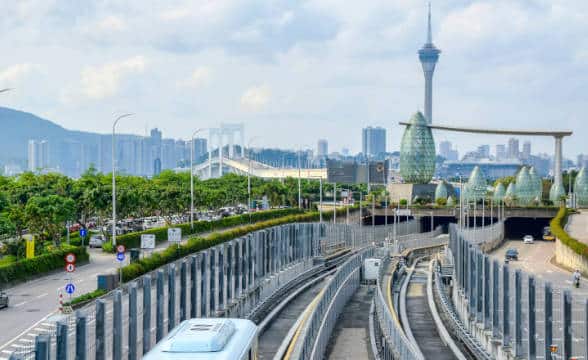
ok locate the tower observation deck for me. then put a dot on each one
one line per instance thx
(429, 55)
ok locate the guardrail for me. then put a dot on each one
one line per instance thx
(390, 336)
(522, 316)
(229, 279)
(324, 316)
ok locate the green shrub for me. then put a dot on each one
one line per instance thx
(557, 229)
(25, 269)
(86, 297)
(196, 244)
(133, 240)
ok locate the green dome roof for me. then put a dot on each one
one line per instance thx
(442, 190)
(417, 151)
(510, 191)
(525, 188)
(451, 201)
(499, 192)
(537, 183)
(476, 185)
(581, 188)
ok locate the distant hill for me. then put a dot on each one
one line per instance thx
(18, 127)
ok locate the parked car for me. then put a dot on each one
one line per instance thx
(511, 254)
(96, 241)
(528, 239)
(3, 299)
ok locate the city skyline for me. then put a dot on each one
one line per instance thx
(296, 80)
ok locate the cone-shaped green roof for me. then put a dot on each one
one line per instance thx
(525, 188)
(442, 190)
(510, 191)
(499, 192)
(476, 185)
(537, 183)
(417, 151)
(581, 188)
(451, 201)
(556, 193)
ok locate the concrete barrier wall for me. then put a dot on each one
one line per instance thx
(568, 258)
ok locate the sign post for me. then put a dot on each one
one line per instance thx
(83, 233)
(174, 235)
(29, 246)
(70, 267)
(120, 257)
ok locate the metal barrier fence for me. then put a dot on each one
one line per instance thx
(521, 312)
(228, 279)
(393, 343)
(323, 318)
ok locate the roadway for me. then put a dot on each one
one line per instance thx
(34, 302)
(577, 226)
(536, 259)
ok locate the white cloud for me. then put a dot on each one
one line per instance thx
(103, 81)
(256, 97)
(200, 76)
(16, 72)
(111, 23)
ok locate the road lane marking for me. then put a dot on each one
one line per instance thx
(42, 295)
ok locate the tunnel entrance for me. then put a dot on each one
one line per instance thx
(517, 227)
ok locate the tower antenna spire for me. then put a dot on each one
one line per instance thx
(429, 32)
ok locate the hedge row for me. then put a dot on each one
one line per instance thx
(196, 244)
(133, 240)
(557, 228)
(25, 269)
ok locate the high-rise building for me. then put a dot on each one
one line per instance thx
(38, 155)
(513, 148)
(322, 148)
(429, 55)
(200, 149)
(582, 160)
(500, 152)
(373, 141)
(526, 154)
(483, 151)
(446, 150)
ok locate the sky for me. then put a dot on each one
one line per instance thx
(297, 71)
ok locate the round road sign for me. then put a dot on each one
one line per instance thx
(70, 288)
(70, 258)
(70, 267)
(120, 248)
(120, 256)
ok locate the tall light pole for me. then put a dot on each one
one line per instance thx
(299, 186)
(249, 176)
(114, 177)
(192, 179)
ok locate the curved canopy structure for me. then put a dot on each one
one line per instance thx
(417, 151)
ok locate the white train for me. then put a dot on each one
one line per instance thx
(207, 339)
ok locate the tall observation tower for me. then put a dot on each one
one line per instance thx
(428, 55)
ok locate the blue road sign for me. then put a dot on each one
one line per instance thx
(83, 232)
(70, 288)
(120, 257)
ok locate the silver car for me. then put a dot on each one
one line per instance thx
(96, 241)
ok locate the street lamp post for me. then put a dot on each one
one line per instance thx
(192, 179)
(249, 177)
(299, 186)
(114, 177)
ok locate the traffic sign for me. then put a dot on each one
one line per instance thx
(120, 256)
(120, 249)
(83, 232)
(147, 241)
(174, 235)
(69, 267)
(70, 288)
(70, 258)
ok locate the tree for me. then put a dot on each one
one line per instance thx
(46, 215)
